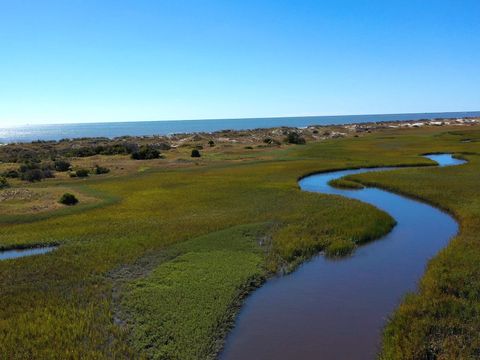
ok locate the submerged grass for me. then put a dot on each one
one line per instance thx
(196, 230)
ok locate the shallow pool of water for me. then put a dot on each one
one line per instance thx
(13, 254)
(335, 309)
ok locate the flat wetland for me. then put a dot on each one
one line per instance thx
(158, 256)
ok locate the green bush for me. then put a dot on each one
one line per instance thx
(98, 170)
(13, 174)
(3, 183)
(211, 143)
(62, 165)
(34, 171)
(68, 199)
(32, 175)
(82, 173)
(146, 152)
(195, 153)
(294, 138)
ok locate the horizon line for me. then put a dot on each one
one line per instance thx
(237, 118)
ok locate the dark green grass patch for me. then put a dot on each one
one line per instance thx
(184, 307)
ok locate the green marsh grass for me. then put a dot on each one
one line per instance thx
(194, 231)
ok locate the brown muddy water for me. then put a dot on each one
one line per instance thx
(336, 309)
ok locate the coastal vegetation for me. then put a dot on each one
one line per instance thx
(159, 258)
(3, 183)
(62, 165)
(68, 199)
(146, 152)
(195, 153)
(294, 138)
(99, 170)
(82, 173)
(343, 183)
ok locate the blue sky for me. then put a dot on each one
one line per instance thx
(90, 61)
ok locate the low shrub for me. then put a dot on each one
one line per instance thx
(13, 174)
(48, 174)
(33, 171)
(295, 138)
(62, 165)
(3, 183)
(98, 170)
(146, 152)
(163, 146)
(101, 149)
(32, 175)
(68, 199)
(195, 153)
(82, 173)
(47, 165)
(211, 143)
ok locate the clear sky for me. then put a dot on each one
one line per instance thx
(113, 60)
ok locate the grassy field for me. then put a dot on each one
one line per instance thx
(158, 265)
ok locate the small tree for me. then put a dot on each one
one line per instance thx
(195, 153)
(68, 199)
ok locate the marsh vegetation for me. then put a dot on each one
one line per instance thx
(210, 232)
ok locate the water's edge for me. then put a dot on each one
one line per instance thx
(22, 252)
(56, 132)
(309, 314)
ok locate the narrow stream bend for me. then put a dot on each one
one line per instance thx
(335, 309)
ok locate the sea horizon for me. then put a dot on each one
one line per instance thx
(113, 129)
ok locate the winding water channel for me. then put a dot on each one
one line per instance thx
(17, 253)
(335, 309)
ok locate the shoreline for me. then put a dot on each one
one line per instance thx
(347, 126)
(232, 135)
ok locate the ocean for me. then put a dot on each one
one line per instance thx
(142, 128)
